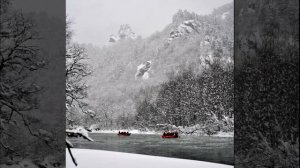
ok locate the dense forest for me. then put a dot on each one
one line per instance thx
(267, 84)
(32, 107)
(181, 76)
(188, 99)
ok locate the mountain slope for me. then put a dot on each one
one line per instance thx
(202, 41)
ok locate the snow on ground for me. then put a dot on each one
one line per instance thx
(87, 158)
(219, 134)
(130, 131)
(224, 134)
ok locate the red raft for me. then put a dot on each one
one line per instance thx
(170, 135)
(124, 134)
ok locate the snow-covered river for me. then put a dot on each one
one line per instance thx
(211, 149)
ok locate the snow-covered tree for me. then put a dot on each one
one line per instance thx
(76, 71)
(20, 57)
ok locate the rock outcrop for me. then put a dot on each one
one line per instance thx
(125, 32)
(143, 70)
(184, 28)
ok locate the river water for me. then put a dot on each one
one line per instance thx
(211, 149)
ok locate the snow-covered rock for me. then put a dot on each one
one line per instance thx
(125, 32)
(143, 70)
(184, 28)
(79, 131)
(225, 15)
(206, 60)
(113, 38)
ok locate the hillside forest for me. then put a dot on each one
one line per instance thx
(179, 78)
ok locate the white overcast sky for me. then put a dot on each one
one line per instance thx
(94, 20)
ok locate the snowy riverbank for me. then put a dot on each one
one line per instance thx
(87, 158)
(219, 134)
(224, 134)
(131, 131)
